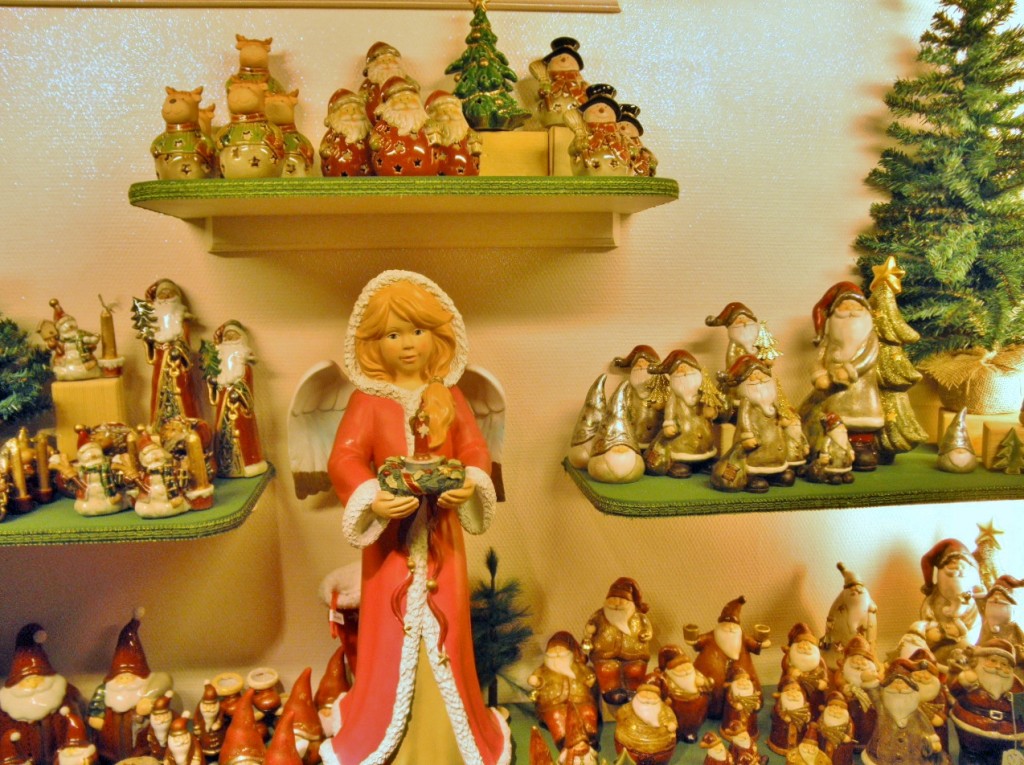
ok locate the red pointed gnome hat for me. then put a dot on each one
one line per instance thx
(729, 314)
(627, 588)
(835, 295)
(638, 352)
(29, 656)
(539, 752)
(745, 366)
(731, 610)
(11, 752)
(75, 733)
(128, 654)
(282, 749)
(672, 362)
(942, 553)
(334, 682)
(242, 741)
(300, 704)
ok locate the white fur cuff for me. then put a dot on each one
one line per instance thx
(476, 514)
(359, 523)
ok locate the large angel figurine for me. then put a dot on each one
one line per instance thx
(417, 688)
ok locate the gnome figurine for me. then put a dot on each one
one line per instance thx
(615, 455)
(283, 749)
(956, 452)
(308, 733)
(209, 723)
(12, 750)
(715, 750)
(741, 324)
(182, 744)
(646, 728)
(949, 610)
(75, 746)
(853, 612)
(684, 689)
(648, 392)
(618, 641)
(593, 412)
(243, 744)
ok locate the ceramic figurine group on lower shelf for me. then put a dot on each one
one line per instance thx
(669, 417)
(836, 696)
(387, 127)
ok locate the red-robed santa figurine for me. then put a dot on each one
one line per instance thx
(399, 143)
(416, 689)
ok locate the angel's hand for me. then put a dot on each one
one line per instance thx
(388, 506)
(454, 498)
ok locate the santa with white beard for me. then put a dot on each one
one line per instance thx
(836, 730)
(163, 321)
(383, 62)
(803, 660)
(983, 712)
(949, 610)
(742, 703)
(646, 728)
(857, 667)
(648, 392)
(997, 615)
(182, 745)
(791, 715)
(32, 696)
(75, 747)
(853, 613)
(561, 683)
(741, 325)
(808, 752)
(715, 751)
(845, 375)
(209, 722)
(722, 651)
(936, 700)
(457, 146)
(345, 147)
(686, 441)
(618, 641)
(759, 454)
(742, 747)
(151, 740)
(903, 733)
(399, 144)
(685, 690)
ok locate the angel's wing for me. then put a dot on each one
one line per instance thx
(317, 405)
(486, 397)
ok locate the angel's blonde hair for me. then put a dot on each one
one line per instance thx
(415, 304)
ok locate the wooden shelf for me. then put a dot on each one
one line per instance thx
(913, 479)
(58, 524)
(279, 214)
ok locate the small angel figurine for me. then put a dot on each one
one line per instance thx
(406, 352)
(227, 366)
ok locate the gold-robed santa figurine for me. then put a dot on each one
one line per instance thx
(618, 641)
(562, 682)
(417, 689)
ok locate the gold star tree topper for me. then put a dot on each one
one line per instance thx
(889, 274)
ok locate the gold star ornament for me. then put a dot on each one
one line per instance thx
(889, 274)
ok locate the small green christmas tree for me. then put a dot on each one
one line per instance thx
(484, 79)
(24, 374)
(498, 632)
(955, 215)
(1009, 454)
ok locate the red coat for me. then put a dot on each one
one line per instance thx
(374, 713)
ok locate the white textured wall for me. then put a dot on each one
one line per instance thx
(766, 114)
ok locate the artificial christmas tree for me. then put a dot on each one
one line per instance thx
(955, 217)
(484, 78)
(24, 372)
(896, 375)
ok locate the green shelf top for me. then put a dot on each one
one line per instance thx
(913, 479)
(58, 524)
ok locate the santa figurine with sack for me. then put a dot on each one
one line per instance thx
(949, 609)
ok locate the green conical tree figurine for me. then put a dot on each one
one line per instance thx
(896, 375)
(1009, 456)
(484, 79)
(24, 373)
(955, 217)
(498, 632)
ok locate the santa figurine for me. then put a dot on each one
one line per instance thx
(836, 730)
(935, 700)
(345, 147)
(742, 747)
(791, 715)
(457, 147)
(642, 161)
(126, 696)
(562, 87)
(743, 700)
(209, 723)
(807, 752)
(715, 751)
(686, 442)
(32, 696)
(983, 712)
(383, 62)
(684, 689)
(845, 375)
(151, 740)
(183, 746)
(832, 460)
(648, 392)
(725, 649)
(561, 683)
(997, 620)
(399, 144)
(903, 732)
(308, 733)
(760, 453)
(852, 613)
(802, 658)
(243, 744)
(75, 747)
(615, 455)
(227, 367)
(858, 666)
(73, 350)
(742, 327)
(618, 641)
(645, 728)
(587, 423)
(597, 147)
(949, 610)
